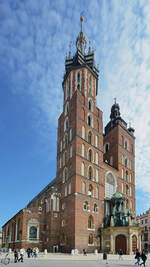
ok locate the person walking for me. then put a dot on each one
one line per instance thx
(15, 255)
(21, 255)
(137, 256)
(143, 257)
(120, 254)
(84, 252)
(29, 252)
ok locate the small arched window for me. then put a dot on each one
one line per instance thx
(90, 173)
(97, 176)
(127, 176)
(90, 85)
(83, 150)
(66, 124)
(82, 169)
(78, 80)
(90, 105)
(96, 141)
(90, 155)
(85, 205)
(90, 222)
(70, 135)
(66, 108)
(90, 239)
(83, 188)
(126, 144)
(96, 159)
(106, 147)
(90, 137)
(95, 208)
(83, 132)
(90, 120)
(70, 151)
(90, 191)
(126, 162)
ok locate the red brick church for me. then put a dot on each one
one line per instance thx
(92, 166)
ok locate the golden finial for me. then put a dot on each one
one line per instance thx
(81, 19)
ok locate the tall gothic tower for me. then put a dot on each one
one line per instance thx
(93, 195)
(80, 150)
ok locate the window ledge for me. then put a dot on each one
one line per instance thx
(91, 229)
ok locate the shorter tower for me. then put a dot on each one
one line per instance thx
(119, 142)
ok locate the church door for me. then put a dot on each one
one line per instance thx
(134, 243)
(121, 243)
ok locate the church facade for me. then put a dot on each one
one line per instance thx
(74, 210)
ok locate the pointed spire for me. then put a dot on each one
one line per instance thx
(81, 39)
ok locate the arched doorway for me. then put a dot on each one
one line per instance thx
(121, 243)
(134, 243)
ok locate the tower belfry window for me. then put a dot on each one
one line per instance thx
(90, 155)
(89, 120)
(90, 86)
(90, 173)
(78, 81)
(90, 137)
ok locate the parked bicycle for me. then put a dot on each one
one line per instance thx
(5, 260)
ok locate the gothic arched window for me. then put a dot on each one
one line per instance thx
(95, 207)
(90, 173)
(85, 205)
(83, 132)
(106, 147)
(90, 85)
(90, 120)
(90, 137)
(110, 185)
(90, 155)
(78, 80)
(83, 188)
(90, 239)
(90, 222)
(90, 190)
(82, 169)
(83, 150)
(90, 105)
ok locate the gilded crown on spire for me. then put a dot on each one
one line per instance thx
(81, 39)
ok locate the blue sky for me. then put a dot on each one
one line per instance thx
(34, 39)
